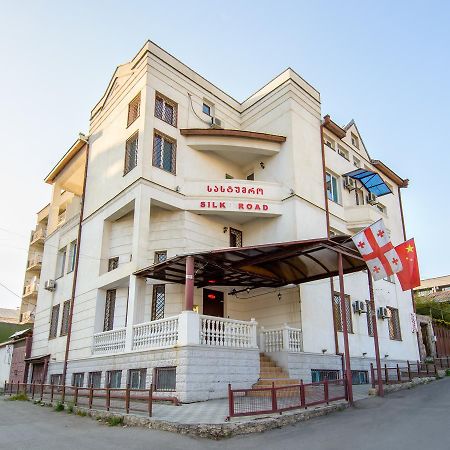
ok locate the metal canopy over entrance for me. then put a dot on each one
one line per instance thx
(371, 181)
(269, 265)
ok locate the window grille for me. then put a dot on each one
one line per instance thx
(131, 153)
(164, 152)
(235, 238)
(158, 301)
(136, 378)
(95, 379)
(160, 256)
(108, 321)
(394, 325)
(114, 378)
(56, 379)
(78, 379)
(338, 314)
(134, 109)
(65, 318)
(318, 375)
(113, 263)
(166, 110)
(360, 377)
(165, 379)
(54, 322)
(369, 318)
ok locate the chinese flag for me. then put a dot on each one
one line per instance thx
(409, 277)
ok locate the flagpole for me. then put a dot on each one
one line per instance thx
(373, 312)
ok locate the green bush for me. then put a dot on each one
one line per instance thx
(21, 396)
(114, 421)
(70, 408)
(447, 372)
(59, 407)
(81, 413)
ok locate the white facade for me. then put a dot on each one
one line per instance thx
(192, 208)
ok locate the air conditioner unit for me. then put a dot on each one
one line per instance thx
(216, 123)
(383, 313)
(359, 307)
(50, 285)
(372, 198)
(349, 183)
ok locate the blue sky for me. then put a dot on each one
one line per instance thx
(385, 64)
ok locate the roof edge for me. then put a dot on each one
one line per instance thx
(385, 170)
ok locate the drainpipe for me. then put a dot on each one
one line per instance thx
(327, 216)
(75, 271)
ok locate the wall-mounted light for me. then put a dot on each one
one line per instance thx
(248, 290)
(324, 350)
(291, 191)
(279, 296)
(225, 229)
(386, 355)
(263, 166)
(177, 188)
(364, 354)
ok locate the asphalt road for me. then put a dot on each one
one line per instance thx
(413, 419)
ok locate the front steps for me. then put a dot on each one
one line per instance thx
(271, 374)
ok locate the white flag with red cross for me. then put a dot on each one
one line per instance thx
(377, 250)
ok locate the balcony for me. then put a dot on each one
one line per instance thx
(281, 339)
(61, 218)
(112, 341)
(34, 263)
(38, 236)
(362, 216)
(31, 288)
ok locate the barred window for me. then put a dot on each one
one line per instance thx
(164, 379)
(114, 378)
(78, 379)
(166, 110)
(56, 379)
(158, 301)
(394, 324)
(65, 318)
(369, 318)
(318, 375)
(160, 256)
(134, 109)
(95, 379)
(235, 238)
(131, 153)
(164, 152)
(338, 314)
(108, 321)
(113, 263)
(54, 322)
(136, 378)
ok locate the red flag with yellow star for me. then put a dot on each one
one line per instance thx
(409, 277)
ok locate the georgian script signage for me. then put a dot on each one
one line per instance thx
(235, 189)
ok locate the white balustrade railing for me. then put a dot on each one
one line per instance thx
(281, 339)
(220, 332)
(156, 334)
(112, 341)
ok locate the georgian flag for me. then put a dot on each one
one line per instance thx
(377, 250)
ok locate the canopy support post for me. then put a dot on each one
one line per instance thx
(348, 370)
(189, 284)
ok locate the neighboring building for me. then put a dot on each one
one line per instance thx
(33, 267)
(13, 355)
(176, 166)
(6, 351)
(9, 315)
(9, 323)
(433, 285)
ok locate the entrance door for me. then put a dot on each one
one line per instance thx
(212, 303)
(38, 373)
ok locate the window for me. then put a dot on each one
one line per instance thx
(78, 379)
(344, 153)
(56, 379)
(164, 151)
(114, 379)
(356, 162)
(369, 318)
(72, 256)
(131, 153)
(235, 238)
(228, 176)
(113, 263)
(166, 110)
(54, 322)
(136, 378)
(95, 379)
(360, 377)
(318, 375)
(332, 188)
(165, 379)
(251, 177)
(206, 109)
(359, 196)
(160, 256)
(65, 318)
(60, 262)
(158, 301)
(394, 325)
(134, 109)
(329, 142)
(338, 315)
(108, 321)
(355, 141)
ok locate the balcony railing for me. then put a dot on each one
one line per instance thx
(157, 334)
(35, 260)
(62, 218)
(281, 339)
(31, 287)
(38, 234)
(110, 341)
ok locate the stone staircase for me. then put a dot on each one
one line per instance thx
(270, 373)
